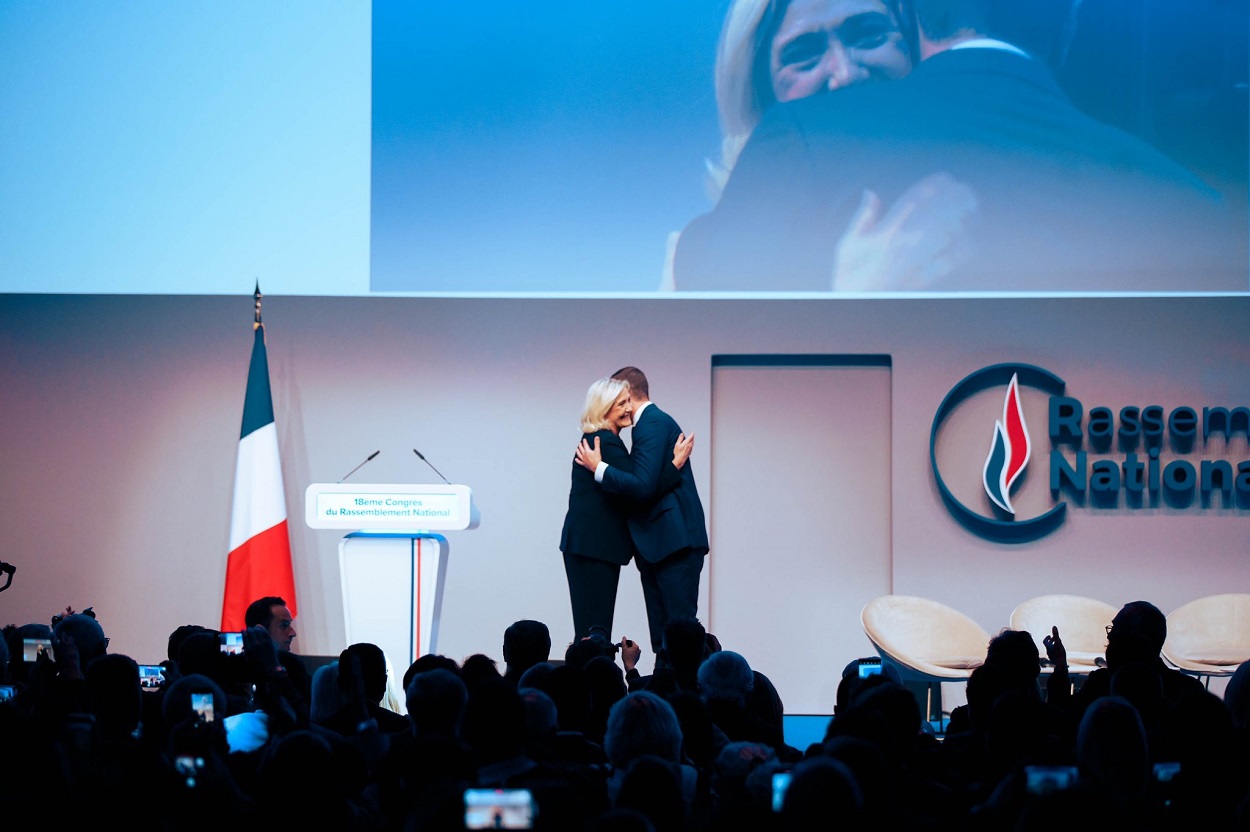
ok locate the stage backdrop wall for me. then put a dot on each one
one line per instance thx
(119, 420)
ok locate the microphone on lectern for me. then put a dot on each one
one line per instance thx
(369, 458)
(432, 468)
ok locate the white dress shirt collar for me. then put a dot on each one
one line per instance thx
(990, 43)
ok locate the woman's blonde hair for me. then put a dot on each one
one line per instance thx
(599, 400)
(741, 96)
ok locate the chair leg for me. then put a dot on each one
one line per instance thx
(934, 710)
(929, 698)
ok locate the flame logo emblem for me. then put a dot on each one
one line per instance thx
(1008, 457)
(1009, 450)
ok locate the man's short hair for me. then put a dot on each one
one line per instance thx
(1142, 620)
(180, 634)
(436, 700)
(541, 719)
(260, 611)
(1017, 651)
(87, 634)
(726, 675)
(943, 19)
(370, 665)
(642, 723)
(430, 661)
(636, 380)
(685, 642)
(1039, 27)
(526, 642)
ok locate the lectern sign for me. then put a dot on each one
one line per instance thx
(389, 507)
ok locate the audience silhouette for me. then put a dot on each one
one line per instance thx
(579, 744)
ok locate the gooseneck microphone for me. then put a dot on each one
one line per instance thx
(432, 468)
(361, 465)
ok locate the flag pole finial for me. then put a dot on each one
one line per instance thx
(257, 295)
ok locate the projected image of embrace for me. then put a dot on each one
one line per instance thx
(811, 145)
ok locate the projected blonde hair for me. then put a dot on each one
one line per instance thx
(744, 36)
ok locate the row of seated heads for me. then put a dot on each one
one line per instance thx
(647, 734)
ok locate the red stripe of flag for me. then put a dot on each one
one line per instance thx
(260, 567)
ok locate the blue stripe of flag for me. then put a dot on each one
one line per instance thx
(258, 403)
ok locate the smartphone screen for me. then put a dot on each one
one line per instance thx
(781, 782)
(1049, 779)
(867, 668)
(151, 676)
(231, 642)
(32, 647)
(498, 809)
(1164, 772)
(202, 704)
(6, 693)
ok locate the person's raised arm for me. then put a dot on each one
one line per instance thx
(1059, 685)
(631, 653)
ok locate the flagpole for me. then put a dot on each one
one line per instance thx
(259, 561)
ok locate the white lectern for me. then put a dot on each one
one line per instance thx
(393, 565)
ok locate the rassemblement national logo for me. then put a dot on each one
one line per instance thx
(1148, 464)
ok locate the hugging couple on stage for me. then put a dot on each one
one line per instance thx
(638, 504)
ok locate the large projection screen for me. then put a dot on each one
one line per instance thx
(562, 148)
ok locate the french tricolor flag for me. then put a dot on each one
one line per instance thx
(260, 548)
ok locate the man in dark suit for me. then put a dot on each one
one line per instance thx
(1135, 637)
(1063, 201)
(272, 613)
(667, 527)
